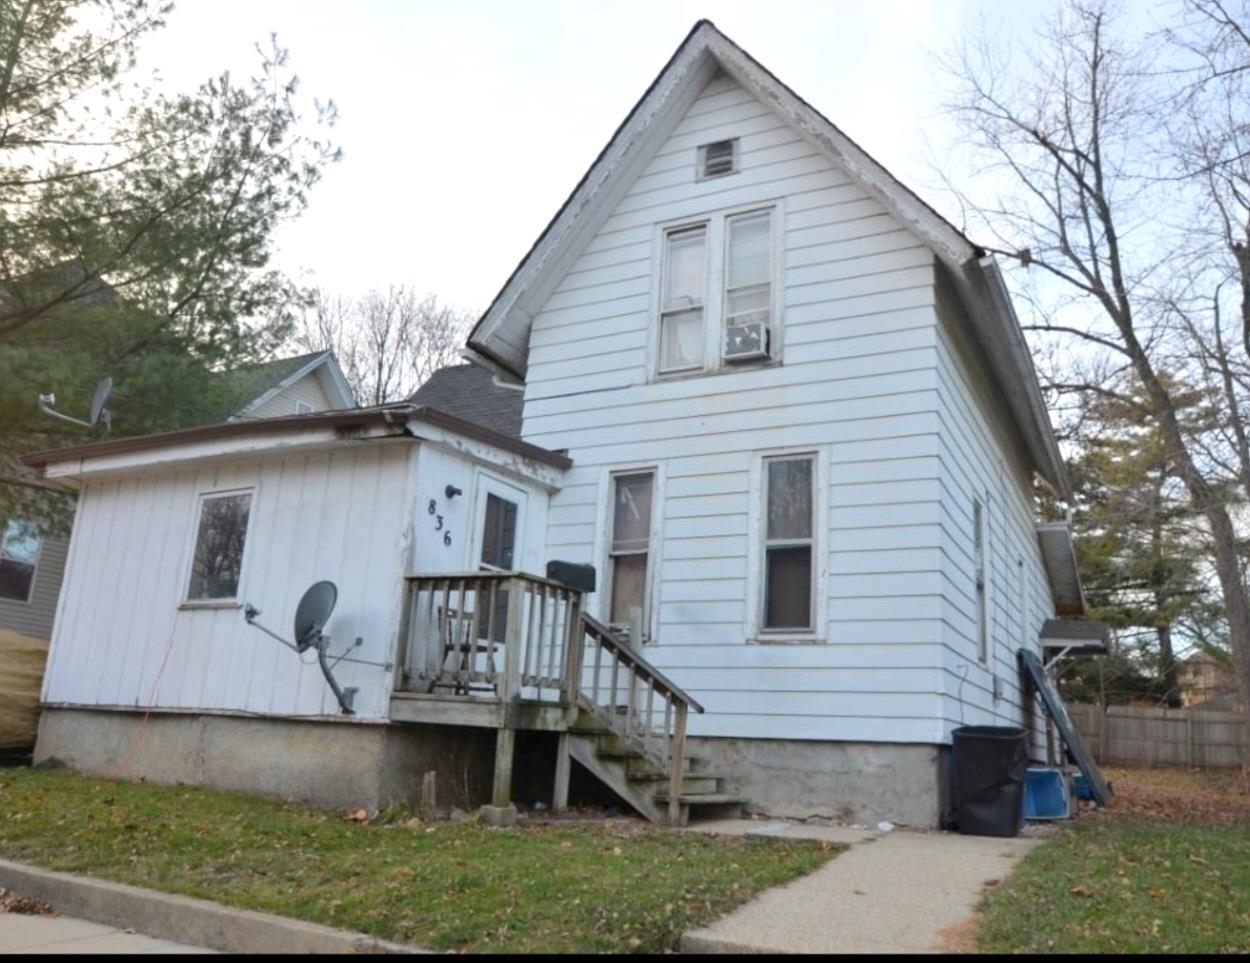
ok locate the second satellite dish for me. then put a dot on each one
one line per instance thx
(313, 612)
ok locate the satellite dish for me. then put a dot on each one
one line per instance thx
(100, 398)
(313, 612)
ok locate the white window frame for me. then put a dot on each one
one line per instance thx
(980, 575)
(663, 309)
(716, 251)
(201, 497)
(602, 601)
(34, 575)
(487, 483)
(757, 527)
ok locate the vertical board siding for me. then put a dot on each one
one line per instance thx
(981, 457)
(122, 639)
(859, 384)
(35, 616)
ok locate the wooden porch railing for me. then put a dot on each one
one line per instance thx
(515, 635)
(506, 632)
(621, 689)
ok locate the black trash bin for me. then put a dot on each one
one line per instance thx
(989, 767)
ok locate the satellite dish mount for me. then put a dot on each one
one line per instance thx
(311, 616)
(99, 413)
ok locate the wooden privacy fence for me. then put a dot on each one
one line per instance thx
(1131, 735)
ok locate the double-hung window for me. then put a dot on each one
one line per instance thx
(630, 550)
(789, 545)
(681, 308)
(718, 311)
(220, 539)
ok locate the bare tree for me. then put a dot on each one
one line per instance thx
(387, 342)
(1091, 195)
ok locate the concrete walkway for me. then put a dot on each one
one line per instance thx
(893, 892)
(63, 934)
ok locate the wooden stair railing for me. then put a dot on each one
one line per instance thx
(610, 671)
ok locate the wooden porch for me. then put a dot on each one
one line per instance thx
(512, 651)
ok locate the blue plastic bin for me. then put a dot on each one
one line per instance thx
(1083, 789)
(1046, 794)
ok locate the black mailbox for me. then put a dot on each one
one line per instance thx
(572, 574)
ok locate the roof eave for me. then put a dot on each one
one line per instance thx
(1059, 560)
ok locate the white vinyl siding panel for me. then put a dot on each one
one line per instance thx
(307, 389)
(981, 458)
(122, 638)
(858, 383)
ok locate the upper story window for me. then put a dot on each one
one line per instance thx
(220, 540)
(719, 311)
(681, 301)
(19, 554)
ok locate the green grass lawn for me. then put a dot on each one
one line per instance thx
(445, 886)
(1126, 885)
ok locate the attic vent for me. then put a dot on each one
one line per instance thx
(718, 158)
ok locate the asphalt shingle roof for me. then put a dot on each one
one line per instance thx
(467, 391)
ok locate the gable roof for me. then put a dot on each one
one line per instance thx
(260, 382)
(501, 336)
(469, 391)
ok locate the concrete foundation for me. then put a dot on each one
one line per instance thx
(320, 762)
(853, 782)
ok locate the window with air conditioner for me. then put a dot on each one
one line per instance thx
(717, 293)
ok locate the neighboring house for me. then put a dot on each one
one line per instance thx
(301, 385)
(783, 409)
(32, 566)
(1206, 682)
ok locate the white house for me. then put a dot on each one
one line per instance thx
(32, 565)
(782, 407)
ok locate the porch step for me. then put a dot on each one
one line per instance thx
(703, 805)
(694, 785)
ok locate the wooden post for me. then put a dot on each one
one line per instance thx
(676, 763)
(573, 651)
(501, 790)
(402, 641)
(1104, 738)
(511, 688)
(560, 795)
(1189, 738)
(429, 803)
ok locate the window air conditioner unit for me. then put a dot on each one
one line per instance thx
(746, 342)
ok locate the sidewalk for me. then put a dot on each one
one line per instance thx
(895, 892)
(63, 934)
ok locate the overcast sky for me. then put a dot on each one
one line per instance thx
(465, 124)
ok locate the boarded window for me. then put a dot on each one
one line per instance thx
(219, 544)
(630, 548)
(681, 310)
(19, 554)
(788, 542)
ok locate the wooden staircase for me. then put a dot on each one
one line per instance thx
(626, 770)
(633, 749)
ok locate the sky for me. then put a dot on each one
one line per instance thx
(465, 125)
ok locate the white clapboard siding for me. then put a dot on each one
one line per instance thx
(980, 457)
(123, 639)
(859, 383)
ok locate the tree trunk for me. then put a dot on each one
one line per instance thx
(1167, 668)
